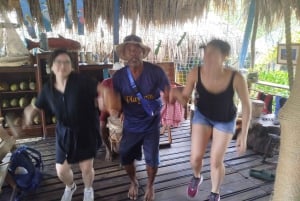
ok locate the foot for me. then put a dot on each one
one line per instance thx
(193, 186)
(67, 196)
(149, 195)
(88, 194)
(133, 190)
(214, 197)
(108, 155)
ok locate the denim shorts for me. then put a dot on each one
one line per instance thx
(226, 127)
(131, 148)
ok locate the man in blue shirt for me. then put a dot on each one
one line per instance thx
(140, 127)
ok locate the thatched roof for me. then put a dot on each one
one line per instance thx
(159, 12)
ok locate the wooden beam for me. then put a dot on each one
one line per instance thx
(116, 26)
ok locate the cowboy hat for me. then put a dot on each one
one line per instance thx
(132, 39)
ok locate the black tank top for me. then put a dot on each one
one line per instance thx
(217, 107)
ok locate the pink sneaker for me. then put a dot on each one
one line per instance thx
(193, 186)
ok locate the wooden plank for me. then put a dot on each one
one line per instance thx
(112, 183)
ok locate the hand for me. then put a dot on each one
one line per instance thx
(27, 119)
(241, 144)
(122, 117)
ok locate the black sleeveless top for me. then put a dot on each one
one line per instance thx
(217, 107)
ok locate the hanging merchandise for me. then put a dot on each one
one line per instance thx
(45, 15)
(28, 20)
(80, 17)
(157, 48)
(68, 14)
(181, 39)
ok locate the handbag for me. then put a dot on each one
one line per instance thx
(151, 107)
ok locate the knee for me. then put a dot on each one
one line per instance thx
(62, 171)
(216, 163)
(196, 159)
(87, 168)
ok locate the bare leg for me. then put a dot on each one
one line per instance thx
(163, 129)
(200, 137)
(150, 195)
(65, 173)
(134, 185)
(105, 139)
(88, 173)
(218, 149)
(169, 134)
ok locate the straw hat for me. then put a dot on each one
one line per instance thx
(132, 39)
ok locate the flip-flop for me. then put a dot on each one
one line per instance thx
(262, 174)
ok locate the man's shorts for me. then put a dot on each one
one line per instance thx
(131, 147)
(226, 127)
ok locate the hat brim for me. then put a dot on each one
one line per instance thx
(121, 53)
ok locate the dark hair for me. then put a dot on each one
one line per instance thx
(52, 58)
(223, 46)
(58, 52)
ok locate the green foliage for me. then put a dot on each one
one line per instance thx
(278, 77)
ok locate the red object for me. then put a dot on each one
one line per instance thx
(268, 99)
(172, 114)
(109, 84)
(55, 43)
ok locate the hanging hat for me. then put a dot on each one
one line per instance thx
(132, 39)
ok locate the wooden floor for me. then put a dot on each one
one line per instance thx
(111, 182)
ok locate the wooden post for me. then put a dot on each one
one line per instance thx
(116, 10)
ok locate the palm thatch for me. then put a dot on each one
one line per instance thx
(159, 12)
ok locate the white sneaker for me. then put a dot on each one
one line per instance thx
(88, 194)
(67, 196)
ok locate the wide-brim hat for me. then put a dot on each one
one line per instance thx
(132, 39)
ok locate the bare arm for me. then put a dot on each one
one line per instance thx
(183, 96)
(109, 100)
(29, 112)
(100, 102)
(241, 88)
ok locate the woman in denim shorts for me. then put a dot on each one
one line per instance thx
(215, 114)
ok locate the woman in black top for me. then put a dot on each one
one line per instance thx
(215, 113)
(71, 98)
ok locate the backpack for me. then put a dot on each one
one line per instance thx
(25, 168)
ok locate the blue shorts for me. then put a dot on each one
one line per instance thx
(131, 148)
(226, 127)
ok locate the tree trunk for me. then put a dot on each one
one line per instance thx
(288, 38)
(287, 185)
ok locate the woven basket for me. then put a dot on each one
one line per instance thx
(257, 107)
